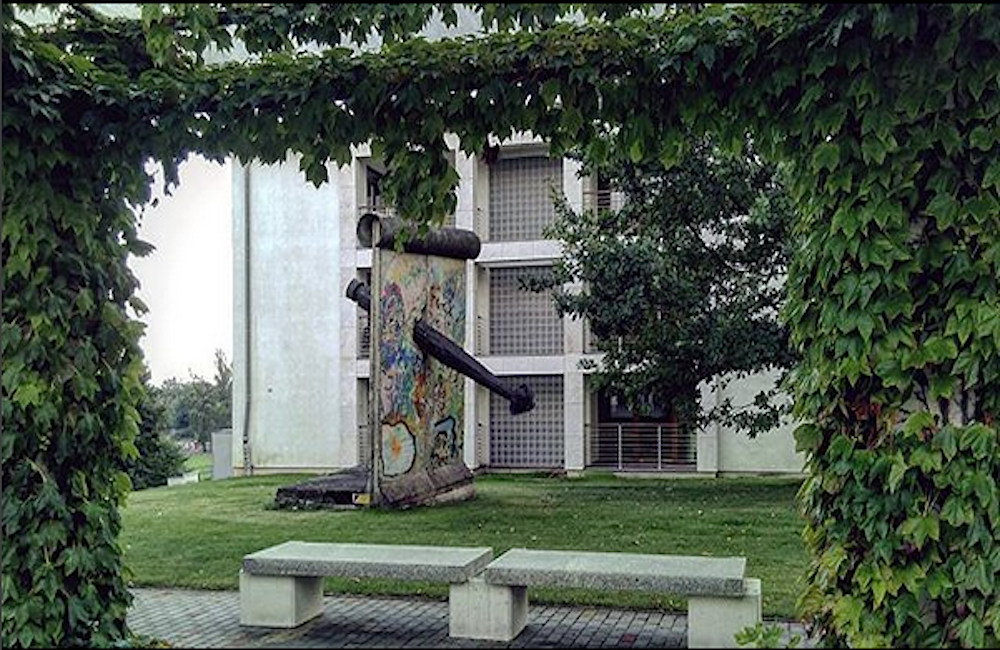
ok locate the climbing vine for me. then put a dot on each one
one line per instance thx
(887, 117)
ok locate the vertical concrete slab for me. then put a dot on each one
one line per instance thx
(573, 431)
(477, 610)
(279, 601)
(222, 454)
(713, 622)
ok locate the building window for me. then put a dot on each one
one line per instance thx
(522, 322)
(601, 196)
(521, 197)
(532, 439)
(373, 197)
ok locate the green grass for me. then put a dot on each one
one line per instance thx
(196, 535)
(202, 463)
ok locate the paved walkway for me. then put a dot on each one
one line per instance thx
(211, 619)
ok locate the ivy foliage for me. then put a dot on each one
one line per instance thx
(886, 116)
(71, 361)
(683, 282)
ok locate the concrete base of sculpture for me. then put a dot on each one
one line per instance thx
(437, 485)
(349, 489)
(332, 491)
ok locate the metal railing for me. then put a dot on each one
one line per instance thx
(364, 444)
(364, 336)
(648, 446)
(605, 199)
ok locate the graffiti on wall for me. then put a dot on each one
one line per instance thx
(422, 400)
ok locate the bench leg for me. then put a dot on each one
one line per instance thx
(279, 601)
(478, 610)
(713, 622)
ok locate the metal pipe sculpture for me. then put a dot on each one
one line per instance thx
(434, 343)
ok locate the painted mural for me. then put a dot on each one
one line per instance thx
(421, 399)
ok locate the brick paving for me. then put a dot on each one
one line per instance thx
(211, 619)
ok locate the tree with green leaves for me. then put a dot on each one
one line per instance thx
(196, 408)
(158, 455)
(684, 282)
(885, 116)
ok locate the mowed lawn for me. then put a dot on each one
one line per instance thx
(195, 535)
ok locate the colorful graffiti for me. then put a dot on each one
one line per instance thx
(422, 401)
(447, 445)
(398, 449)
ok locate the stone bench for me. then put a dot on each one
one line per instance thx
(721, 601)
(282, 586)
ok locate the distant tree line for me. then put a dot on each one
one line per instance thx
(197, 407)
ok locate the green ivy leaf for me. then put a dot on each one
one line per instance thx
(896, 472)
(926, 459)
(825, 156)
(971, 632)
(992, 176)
(982, 138)
(847, 612)
(956, 511)
(918, 422)
(636, 151)
(978, 438)
(807, 437)
(920, 529)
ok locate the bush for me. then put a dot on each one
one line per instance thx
(159, 456)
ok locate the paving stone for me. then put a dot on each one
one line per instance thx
(207, 619)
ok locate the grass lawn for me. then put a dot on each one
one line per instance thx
(195, 535)
(202, 463)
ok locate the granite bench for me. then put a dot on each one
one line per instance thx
(721, 601)
(282, 586)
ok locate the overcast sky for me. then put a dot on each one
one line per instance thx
(187, 281)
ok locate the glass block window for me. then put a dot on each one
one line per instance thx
(532, 439)
(521, 197)
(522, 322)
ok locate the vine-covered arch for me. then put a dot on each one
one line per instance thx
(887, 117)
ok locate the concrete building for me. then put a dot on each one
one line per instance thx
(301, 347)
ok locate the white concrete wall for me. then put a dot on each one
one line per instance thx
(770, 452)
(347, 181)
(295, 316)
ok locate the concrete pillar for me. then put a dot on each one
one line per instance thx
(478, 610)
(713, 622)
(351, 185)
(573, 416)
(241, 331)
(707, 449)
(279, 601)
